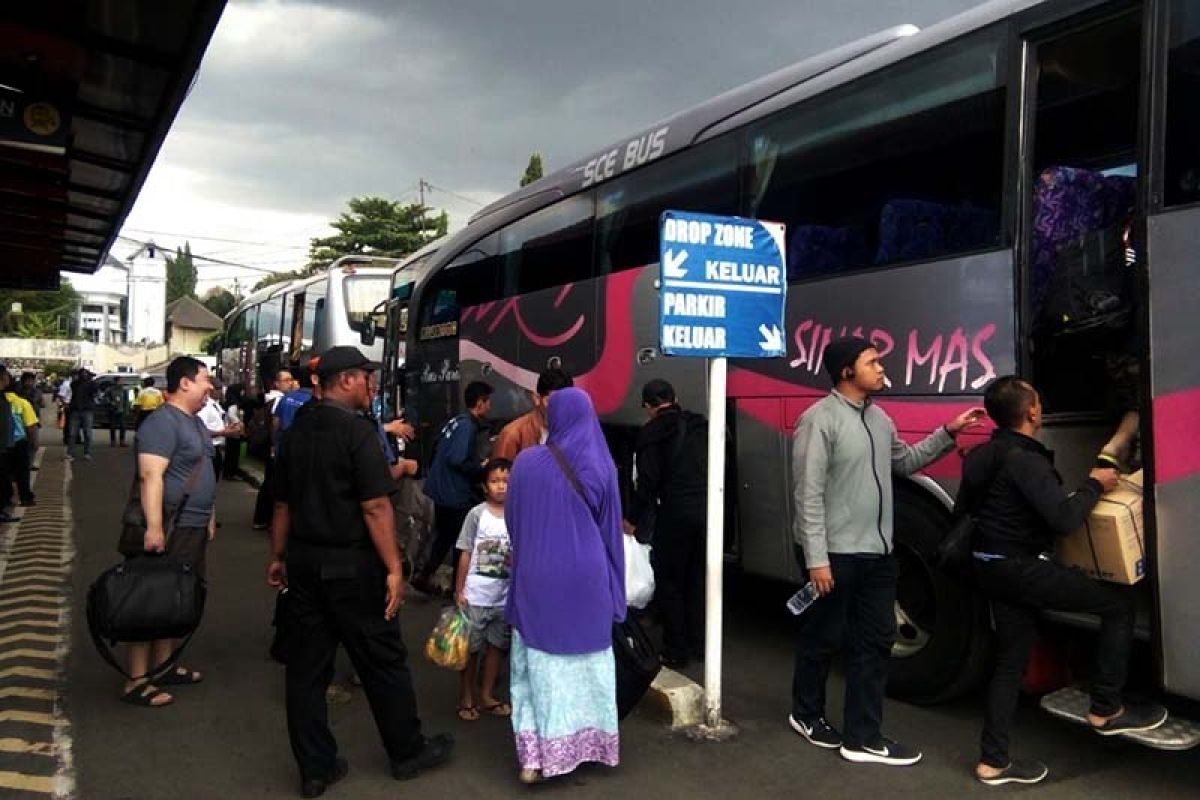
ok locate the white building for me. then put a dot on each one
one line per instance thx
(147, 307)
(102, 294)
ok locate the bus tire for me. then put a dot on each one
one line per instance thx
(943, 639)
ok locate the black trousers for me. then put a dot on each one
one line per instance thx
(337, 597)
(447, 524)
(116, 423)
(233, 457)
(264, 504)
(678, 561)
(19, 463)
(217, 459)
(6, 480)
(858, 618)
(1019, 589)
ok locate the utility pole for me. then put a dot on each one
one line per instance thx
(422, 185)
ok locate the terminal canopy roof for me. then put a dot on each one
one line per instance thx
(88, 91)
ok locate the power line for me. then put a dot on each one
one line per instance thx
(465, 199)
(177, 235)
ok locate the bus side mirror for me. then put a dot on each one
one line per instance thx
(367, 333)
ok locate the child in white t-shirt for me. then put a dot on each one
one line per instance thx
(484, 567)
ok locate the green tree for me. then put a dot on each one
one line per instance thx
(219, 301)
(181, 274)
(533, 170)
(43, 315)
(377, 226)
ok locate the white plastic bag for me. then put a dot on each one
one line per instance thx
(639, 575)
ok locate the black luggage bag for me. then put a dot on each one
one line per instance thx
(637, 664)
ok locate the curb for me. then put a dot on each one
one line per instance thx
(679, 697)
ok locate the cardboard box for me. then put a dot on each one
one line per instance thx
(1111, 545)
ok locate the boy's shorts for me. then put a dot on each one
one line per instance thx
(487, 627)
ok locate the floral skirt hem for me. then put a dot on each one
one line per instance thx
(563, 754)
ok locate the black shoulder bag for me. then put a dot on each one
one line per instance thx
(634, 654)
(147, 597)
(953, 553)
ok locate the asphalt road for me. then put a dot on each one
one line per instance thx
(225, 738)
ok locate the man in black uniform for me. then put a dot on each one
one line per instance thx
(334, 547)
(671, 498)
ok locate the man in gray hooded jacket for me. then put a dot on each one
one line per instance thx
(844, 453)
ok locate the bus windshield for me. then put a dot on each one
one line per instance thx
(364, 293)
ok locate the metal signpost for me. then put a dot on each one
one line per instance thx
(723, 287)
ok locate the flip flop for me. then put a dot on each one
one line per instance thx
(468, 713)
(180, 676)
(137, 696)
(500, 709)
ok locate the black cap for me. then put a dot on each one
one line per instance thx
(842, 353)
(340, 359)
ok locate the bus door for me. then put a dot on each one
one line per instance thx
(1081, 166)
(395, 350)
(1173, 254)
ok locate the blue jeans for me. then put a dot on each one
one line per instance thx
(80, 421)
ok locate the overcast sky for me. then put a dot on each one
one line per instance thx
(300, 106)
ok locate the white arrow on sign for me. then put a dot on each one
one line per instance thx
(673, 268)
(772, 338)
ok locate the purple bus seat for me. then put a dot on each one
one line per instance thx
(914, 230)
(1067, 203)
(818, 249)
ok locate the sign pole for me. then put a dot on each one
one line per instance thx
(715, 544)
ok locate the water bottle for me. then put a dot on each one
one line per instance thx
(802, 599)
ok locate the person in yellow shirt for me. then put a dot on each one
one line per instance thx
(25, 425)
(148, 399)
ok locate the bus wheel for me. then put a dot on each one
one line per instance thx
(942, 637)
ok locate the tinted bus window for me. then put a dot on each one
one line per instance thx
(1182, 166)
(240, 328)
(702, 179)
(903, 165)
(269, 317)
(313, 294)
(551, 247)
(470, 279)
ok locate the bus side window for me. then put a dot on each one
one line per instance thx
(470, 279)
(319, 323)
(628, 209)
(901, 165)
(314, 304)
(1182, 167)
(548, 248)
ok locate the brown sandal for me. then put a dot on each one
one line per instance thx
(468, 713)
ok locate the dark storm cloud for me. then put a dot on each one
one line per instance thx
(301, 105)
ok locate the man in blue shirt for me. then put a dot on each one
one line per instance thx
(455, 472)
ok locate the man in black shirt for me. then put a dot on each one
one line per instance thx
(1016, 496)
(335, 549)
(671, 499)
(81, 412)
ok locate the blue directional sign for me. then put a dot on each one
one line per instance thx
(723, 286)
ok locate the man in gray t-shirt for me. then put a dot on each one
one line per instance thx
(183, 440)
(172, 445)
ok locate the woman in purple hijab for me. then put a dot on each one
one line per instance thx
(567, 590)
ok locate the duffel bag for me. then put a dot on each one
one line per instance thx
(145, 599)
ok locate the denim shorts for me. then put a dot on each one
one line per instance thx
(488, 627)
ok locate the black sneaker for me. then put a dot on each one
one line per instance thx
(1027, 772)
(436, 751)
(885, 751)
(818, 732)
(315, 787)
(1134, 718)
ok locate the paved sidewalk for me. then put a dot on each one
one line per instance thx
(35, 610)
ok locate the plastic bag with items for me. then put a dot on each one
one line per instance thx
(448, 645)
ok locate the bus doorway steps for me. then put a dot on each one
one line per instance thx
(1177, 733)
